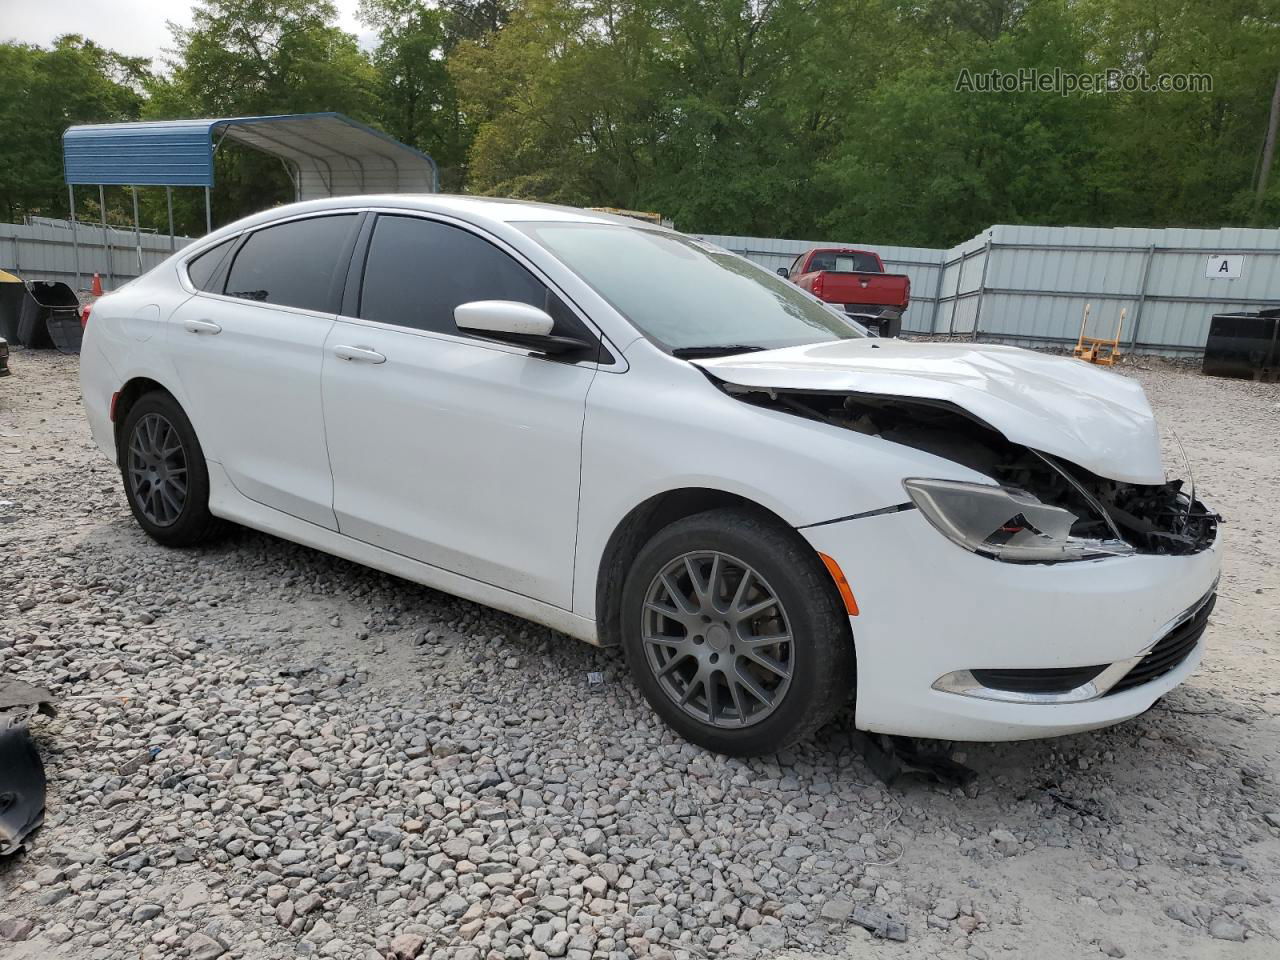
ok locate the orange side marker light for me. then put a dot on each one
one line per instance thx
(846, 592)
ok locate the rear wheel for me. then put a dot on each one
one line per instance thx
(735, 633)
(165, 477)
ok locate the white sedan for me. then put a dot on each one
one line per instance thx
(636, 438)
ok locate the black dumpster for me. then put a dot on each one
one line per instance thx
(50, 317)
(12, 293)
(1244, 345)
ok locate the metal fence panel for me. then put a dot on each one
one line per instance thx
(46, 251)
(1030, 284)
(1014, 283)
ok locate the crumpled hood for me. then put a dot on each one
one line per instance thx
(1091, 417)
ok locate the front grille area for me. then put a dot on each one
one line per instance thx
(1174, 647)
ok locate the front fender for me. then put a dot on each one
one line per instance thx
(664, 426)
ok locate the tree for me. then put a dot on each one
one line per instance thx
(802, 118)
(258, 57)
(47, 91)
(417, 102)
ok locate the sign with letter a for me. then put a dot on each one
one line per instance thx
(1221, 267)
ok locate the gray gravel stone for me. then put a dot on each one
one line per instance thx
(203, 947)
(946, 909)
(1220, 928)
(15, 929)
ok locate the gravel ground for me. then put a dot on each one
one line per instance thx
(263, 751)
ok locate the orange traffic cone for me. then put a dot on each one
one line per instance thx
(96, 287)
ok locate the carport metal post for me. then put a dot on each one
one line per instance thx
(106, 241)
(1142, 297)
(137, 229)
(208, 212)
(75, 232)
(937, 298)
(168, 195)
(982, 288)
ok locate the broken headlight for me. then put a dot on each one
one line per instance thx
(1006, 524)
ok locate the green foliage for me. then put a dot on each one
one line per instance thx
(416, 100)
(842, 118)
(46, 91)
(258, 57)
(803, 118)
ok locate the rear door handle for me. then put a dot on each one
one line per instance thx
(201, 326)
(359, 354)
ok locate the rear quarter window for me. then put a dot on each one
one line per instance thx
(203, 266)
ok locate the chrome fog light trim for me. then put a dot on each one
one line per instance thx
(965, 684)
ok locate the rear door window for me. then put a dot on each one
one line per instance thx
(418, 270)
(292, 264)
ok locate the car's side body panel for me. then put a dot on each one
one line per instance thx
(458, 453)
(226, 501)
(253, 397)
(669, 428)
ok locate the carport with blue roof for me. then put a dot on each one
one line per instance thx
(325, 155)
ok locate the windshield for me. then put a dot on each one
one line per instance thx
(688, 295)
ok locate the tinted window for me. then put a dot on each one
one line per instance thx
(292, 264)
(417, 271)
(202, 268)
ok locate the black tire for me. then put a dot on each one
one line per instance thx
(821, 654)
(193, 524)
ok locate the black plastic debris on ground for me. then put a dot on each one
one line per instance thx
(881, 923)
(22, 778)
(891, 757)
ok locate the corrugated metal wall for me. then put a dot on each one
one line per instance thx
(1012, 283)
(1027, 284)
(1040, 278)
(46, 252)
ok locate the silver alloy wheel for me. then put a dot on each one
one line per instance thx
(717, 639)
(158, 470)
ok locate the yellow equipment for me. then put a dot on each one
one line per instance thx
(654, 218)
(1098, 350)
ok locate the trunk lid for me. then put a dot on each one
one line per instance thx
(1096, 419)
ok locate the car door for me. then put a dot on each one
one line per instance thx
(248, 351)
(459, 452)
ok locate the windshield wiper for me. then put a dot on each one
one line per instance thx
(715, 350)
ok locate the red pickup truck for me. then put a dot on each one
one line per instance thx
(854, 281)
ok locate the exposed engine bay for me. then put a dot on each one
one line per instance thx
(1153, 519)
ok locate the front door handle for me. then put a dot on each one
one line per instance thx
(201, 326)
(359, 354)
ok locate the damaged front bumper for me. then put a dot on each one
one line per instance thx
(1002, 651)
(1174, 643)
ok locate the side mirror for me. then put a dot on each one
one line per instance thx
(520, 324)
(784, 273)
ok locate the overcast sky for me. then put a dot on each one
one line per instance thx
(135, 27)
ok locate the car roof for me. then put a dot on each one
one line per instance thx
(476, 209)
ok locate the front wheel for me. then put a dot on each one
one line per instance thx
(165, 477)
(735, 633)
